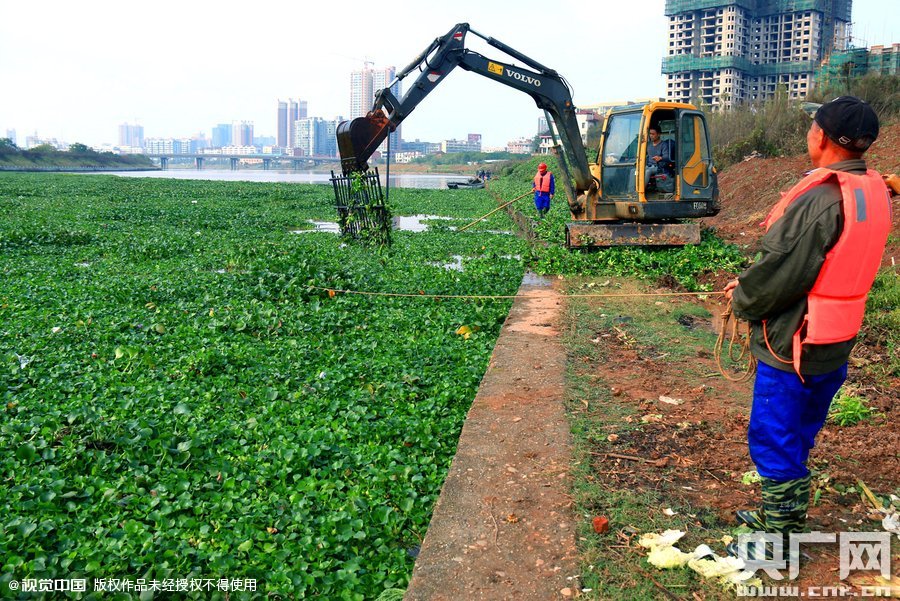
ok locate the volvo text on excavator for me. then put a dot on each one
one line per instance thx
(611, 201)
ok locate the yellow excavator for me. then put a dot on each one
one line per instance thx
(612, 201)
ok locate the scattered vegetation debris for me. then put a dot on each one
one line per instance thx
(751, 477)
(670, 400)
(729, 571)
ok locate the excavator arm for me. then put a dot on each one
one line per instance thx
(358, 139)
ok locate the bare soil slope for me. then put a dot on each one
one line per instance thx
(751, 188)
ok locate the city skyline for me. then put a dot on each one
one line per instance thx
(109, 76)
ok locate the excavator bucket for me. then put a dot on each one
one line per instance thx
(358, 139)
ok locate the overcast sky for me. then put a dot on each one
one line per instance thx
(76, 70)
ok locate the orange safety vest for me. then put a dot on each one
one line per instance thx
(837, 301)
(542, 182)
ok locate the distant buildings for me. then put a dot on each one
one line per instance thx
(520, 146)
(35, 140)
(471, 144)
(363, 86)
(260, 141)
(131, 135)
(221, 135)
(725, 53)
(309, 134)
(11, 135)
(288, 114)
(315, 136)
(857, 62)
(242, 133)
(421, 147)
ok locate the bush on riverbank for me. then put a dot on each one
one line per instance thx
(78, 157)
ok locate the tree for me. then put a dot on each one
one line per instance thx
(79, 148)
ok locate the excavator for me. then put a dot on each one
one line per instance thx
(611, 201)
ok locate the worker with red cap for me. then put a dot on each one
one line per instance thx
(544, 188)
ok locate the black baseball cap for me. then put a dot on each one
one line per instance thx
(848, 122)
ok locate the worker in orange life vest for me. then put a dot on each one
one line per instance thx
(805, 299)
(544, 188)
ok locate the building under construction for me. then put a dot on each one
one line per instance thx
(842, 67)
(727, 53)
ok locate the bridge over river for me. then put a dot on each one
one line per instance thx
(235, 159)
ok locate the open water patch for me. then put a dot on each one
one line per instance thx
(330, 227)
(416, 223)
(455, 264)
(533, 279)
(401, 223)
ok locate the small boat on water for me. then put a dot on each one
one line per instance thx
(472, 183)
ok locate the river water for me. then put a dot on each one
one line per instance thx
(399, 180)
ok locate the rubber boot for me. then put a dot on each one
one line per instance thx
(755, 519)
(786, 501)
(785, 504)
(783, 511)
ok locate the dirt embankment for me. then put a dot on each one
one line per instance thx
(751, 188)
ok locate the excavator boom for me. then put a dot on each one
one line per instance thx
(360, 138)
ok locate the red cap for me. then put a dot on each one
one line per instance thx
(542, 167)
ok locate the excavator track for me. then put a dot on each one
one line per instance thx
(590, 234)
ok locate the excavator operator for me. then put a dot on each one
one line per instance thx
(660, 161)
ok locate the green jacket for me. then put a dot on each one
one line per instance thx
(774, 288)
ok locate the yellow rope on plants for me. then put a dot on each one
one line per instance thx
(737, 340)
(333, 291)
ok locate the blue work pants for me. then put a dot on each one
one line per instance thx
(787, 415)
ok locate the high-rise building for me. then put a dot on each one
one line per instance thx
(198, 143)
(11, 135)
(725, 53)
(221, 135)
(316, 136)
(288, 114)
(169, 146)
(281, 131)
(363, 86)
(131, 135)
(471, 144)
(242, 133)
(306, 135)
(329, 146)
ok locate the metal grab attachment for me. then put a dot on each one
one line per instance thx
(362, 214)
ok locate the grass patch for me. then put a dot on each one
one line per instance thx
(683, 266)
(595, 415)
(882, 323)
(848, 409)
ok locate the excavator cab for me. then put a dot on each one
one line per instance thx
(635, 207)
(623, 159)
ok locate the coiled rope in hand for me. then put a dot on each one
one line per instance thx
(738, 346)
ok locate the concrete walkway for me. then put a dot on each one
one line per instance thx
(503, 526)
